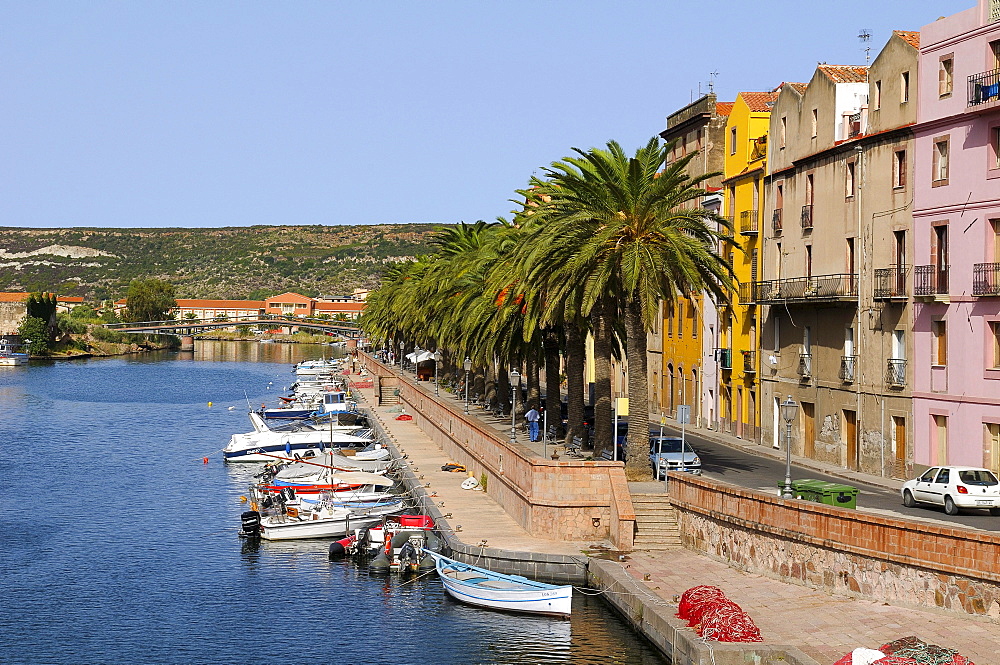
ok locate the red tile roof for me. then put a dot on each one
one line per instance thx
(910, 37)
(189, 303)
(799, 87)
(723, 108)
(759, 101)
(845, 73)
(13, 297)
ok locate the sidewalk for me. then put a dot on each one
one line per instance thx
(822, 626)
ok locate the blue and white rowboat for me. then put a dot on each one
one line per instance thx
(484, 588)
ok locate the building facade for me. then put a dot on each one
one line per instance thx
(686, 369)
(957, 241)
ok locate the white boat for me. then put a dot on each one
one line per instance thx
(323, 521)
(269, 446)
(314, 367)
(512, 593)
(9, 356)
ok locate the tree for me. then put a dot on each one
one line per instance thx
(149, 300)
(620, 229)
(37, 330)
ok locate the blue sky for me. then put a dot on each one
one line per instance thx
(204, 114)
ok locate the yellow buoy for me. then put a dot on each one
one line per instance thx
(209, 404)
(243, 499)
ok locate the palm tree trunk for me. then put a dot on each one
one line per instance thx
(637, 464)
(553, 399)
(531, 369)
(574, 383)
(604, 438)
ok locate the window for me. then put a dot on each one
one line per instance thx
(809, 260)
(694, 321)
(899, 169)
(849, 181)
(697, 140)
(783, 130)
(939, 350)
(680, 320)
(994, 345)
(670, 322)
(946, 76)
(994, 152)
(995, 55)
(815, 122)
(877, 101)
(940, 162)
(904, 87)
(732, 141)
(809, 189)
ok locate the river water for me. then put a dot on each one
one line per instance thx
(118, 544)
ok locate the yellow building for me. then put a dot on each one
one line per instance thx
(738, 343)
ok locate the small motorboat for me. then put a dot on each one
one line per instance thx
(512, 593)
(273, 519)
(266, 446)
(10, 356)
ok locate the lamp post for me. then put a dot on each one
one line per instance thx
(402, 346)
(467, 365)
(437, 361)
(514, 377)
(788, 410)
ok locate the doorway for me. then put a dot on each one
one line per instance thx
(809, 429)
(899, 432)
(851, 438)
(739, 412)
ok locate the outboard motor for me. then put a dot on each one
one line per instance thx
(250, 525)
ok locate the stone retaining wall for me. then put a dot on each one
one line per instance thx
(839, 550)
(554, 499)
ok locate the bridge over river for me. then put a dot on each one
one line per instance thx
(190, 327)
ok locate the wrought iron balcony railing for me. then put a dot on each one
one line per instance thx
(749, 362)
(854, 124)
(805, 365)
(895, 372)
(725, 358)
(748, 222)
(847, 367)
(807, 217)
(930, 280)
(986, 279)
(842, 287)
(984, 88)
(776, 220)
(891, 283)
(748, 293)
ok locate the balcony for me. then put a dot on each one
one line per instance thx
(854, 125)
(895, 373)
(931, 283)
(984, 89)
(847, 368)
(986, 279)
(805, 365)
(807, 217)
(776, 220)
(725, 358)
(748, 222)
(821, 288)
(748, 293)
(749, 362)
(891, 282)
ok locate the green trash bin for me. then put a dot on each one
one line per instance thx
(842, 496)
(806, 489)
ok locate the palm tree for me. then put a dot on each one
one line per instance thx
(617, 230)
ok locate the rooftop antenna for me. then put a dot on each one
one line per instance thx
(866, 37)
(711, 81)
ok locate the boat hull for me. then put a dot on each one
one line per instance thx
(509, 593)
(330, 527)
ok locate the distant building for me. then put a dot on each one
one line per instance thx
(13, 309)
(285, 304)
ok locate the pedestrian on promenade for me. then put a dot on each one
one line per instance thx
(532, 417)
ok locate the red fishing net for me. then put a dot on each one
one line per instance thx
(696, 600)
(725, 621)
(894, 660)
(404, 416)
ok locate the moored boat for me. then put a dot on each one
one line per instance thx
(512, 593)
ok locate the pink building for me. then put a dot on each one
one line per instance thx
(956, 246)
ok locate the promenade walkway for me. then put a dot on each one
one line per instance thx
(822, 626)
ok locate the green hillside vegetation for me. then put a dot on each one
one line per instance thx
(228, 263)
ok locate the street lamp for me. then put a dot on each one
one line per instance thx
(514, 377)
(467, 365)
(437, 361)
(402, 347)
(416, 362)
(788, 410)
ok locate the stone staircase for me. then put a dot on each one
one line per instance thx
(388, 394)
(655, 523)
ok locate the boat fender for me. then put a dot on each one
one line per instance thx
(338, 548)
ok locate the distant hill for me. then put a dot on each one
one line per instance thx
(232, 262)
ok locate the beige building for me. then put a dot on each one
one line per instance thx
(835, 263)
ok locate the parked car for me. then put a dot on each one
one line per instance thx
(665, 455)
(954, 487)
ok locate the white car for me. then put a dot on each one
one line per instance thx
(954, 487)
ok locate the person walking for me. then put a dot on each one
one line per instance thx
(532, 417)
